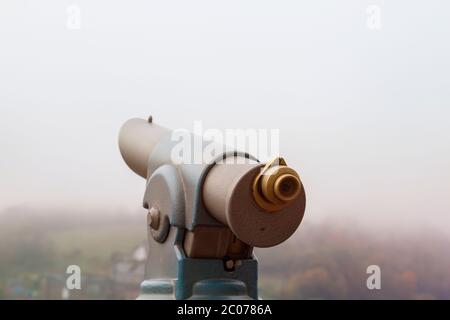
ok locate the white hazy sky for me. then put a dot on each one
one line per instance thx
(364, 114)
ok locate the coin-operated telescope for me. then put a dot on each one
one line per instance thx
(205, 217)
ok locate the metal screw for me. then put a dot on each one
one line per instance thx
(229, 265)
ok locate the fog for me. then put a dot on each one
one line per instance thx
(364, 114)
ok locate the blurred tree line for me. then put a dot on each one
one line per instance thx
(322, 261)
(330, 260)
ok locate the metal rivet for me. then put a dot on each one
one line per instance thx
(229, 265)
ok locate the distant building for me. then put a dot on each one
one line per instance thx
(128, 270)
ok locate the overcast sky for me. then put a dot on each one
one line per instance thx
(363, 110)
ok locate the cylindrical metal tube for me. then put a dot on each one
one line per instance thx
(219, 182)
(137, 139)
(229, 197)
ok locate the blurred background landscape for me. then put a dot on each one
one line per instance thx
(322, 261)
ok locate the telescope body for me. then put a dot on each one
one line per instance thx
(208, 214)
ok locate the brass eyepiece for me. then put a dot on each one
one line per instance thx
(276, 186)
(287, 187)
